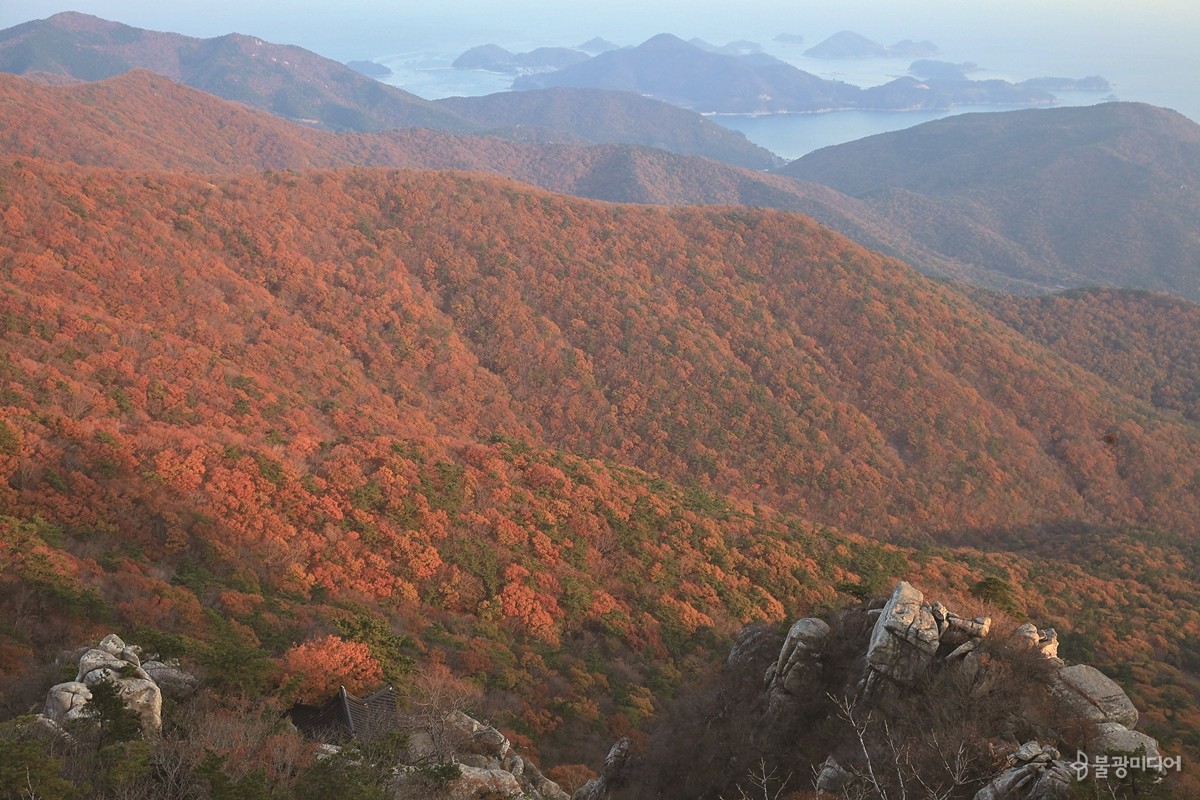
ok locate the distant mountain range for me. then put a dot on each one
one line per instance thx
(289, 81)
(710, 80)
(1107, 194)
(1023, 201)
(142, 120)
(668, 68)
(945, 212)
(304, 87)
(496, 59)
(602, 116)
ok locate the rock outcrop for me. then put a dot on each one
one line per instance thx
(1089, 693)
(832, 777)
(798, 660)
(938, 697)
(119, 664)
(474, 783)
(1045, 641)
(610, 776)
(488, 760)
(1034, 772)
(905, 638)
(488, 765)
(174, 682)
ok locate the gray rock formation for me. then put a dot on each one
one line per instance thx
(832, 777)
(1046, 641)
(472, 736)
(174, 682)
(798, 659)
(959, 630)
(751, 642)
(67, 701)
(614, 765)
(474, 783)
(490, 767)
(1034, 772)
(542, 786)
(113, 661)
(1089, 693)
(1113, 737)
(905, 638)
(909, 635)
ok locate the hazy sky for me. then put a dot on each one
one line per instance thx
(332, 26)
(1146, 47)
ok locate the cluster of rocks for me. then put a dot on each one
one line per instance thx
(139, 684)
(1108, 714)
(909, 635)
(488, 764)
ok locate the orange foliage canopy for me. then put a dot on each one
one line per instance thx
(314, 670)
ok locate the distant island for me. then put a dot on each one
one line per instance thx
(739, 77)
(741, 47)
(706, 79)
(597, 45)
(848, 44)
(494, 58)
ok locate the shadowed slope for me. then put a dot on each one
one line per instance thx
(1107, 194)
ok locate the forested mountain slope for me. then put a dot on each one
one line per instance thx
(1147, 344)
(141, 120)
(243, 412)
(1063, 197)
(601, 116)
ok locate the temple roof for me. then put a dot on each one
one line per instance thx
(345, 716)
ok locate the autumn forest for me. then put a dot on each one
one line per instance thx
(278, 405)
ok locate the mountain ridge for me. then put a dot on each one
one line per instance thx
(1063, 197)
(287, 80)
(304, 87)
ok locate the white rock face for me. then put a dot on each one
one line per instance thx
(144, 698)
(67, 701)
(112, 644)
(905, 637)
(114, 661)
(800, 653)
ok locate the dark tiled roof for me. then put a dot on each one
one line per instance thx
(345, 716)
